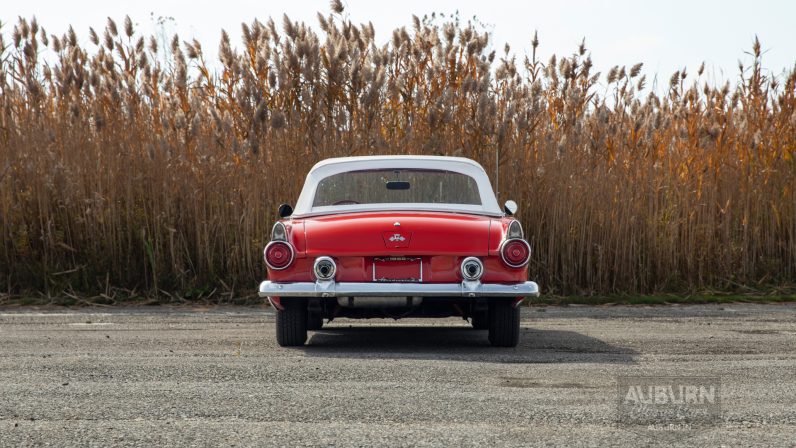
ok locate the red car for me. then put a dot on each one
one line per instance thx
(397, 236)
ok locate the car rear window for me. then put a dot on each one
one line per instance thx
(406, 186)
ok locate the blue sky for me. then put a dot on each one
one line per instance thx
(664, 35)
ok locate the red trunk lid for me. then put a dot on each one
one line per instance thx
(404, 233)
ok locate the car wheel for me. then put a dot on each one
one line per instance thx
(504, 324)
(291, 323)
(480, 320)
(314, 321)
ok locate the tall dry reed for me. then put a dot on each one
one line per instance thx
(119, 171)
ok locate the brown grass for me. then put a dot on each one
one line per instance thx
(118, 171)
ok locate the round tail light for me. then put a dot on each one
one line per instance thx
(324, 268)
(278, 255)
(516, 253)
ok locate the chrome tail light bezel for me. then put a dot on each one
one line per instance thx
(279, 232)
(290, 261)
(503, 252)
(514, 230)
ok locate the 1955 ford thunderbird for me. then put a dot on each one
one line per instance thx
(397, 236)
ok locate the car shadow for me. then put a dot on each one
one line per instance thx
(462, 344)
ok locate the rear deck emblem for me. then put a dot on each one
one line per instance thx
(395, 240)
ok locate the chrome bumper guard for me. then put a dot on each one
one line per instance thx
(347, 289)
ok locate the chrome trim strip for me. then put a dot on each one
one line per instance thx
(351, 289)
(506, 262)
(292, 255)
(392, 209)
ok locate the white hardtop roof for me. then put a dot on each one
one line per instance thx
(329, 167)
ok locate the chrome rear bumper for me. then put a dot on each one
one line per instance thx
(347, 289)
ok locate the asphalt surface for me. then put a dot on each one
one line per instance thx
(166, 376)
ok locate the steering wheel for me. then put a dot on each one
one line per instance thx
(346, 202)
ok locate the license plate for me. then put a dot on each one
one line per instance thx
(398, 269)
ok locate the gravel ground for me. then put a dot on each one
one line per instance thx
(176, 376)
